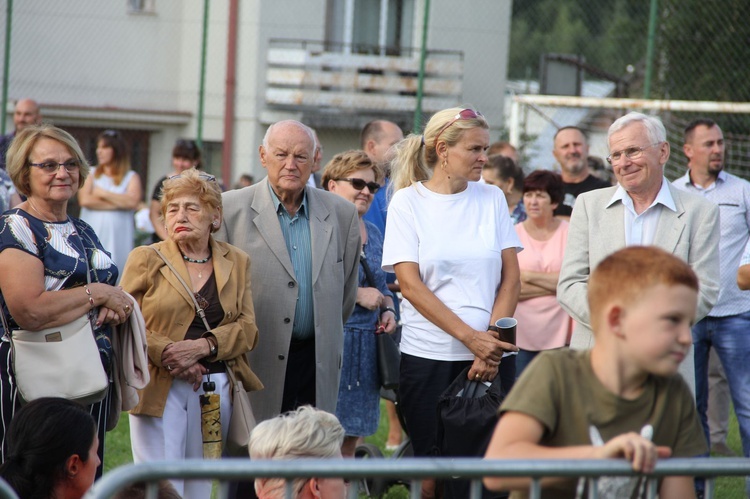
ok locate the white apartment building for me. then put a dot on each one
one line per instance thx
(135, 66)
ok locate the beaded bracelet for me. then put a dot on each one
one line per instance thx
(88, 292)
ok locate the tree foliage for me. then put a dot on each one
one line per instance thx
(702, 48)
(610, 34)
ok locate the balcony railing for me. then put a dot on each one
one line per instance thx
(313, 76)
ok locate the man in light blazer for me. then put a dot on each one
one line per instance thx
(304, 246)
(644, 209)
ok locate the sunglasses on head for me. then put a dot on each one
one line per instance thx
(360, 184)
(111, 133)
(465, 114)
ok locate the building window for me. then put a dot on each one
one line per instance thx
(371, 26)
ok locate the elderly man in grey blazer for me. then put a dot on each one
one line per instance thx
(304, 248)
(644, 209)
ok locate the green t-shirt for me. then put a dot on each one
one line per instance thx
(560, 390)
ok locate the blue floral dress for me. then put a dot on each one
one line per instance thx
(60, 249)
(358, 406)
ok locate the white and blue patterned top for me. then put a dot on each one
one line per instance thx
(58, 247)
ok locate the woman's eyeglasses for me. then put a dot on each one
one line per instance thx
(465, 114)
(52, 167)
(202, 176)
(360, 184)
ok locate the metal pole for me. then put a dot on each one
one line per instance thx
(6, 65)
(650, 48)
(422, 60)
(230, 89)
(202, 89)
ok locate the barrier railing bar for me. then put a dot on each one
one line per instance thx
(536, 488)
(409, 468)
(416, 487)
(6, 491)
(593, 488)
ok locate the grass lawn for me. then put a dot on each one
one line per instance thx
(118, 454)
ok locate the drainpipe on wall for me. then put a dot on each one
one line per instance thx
(6, 66)
(422, 59)
(202, 84)
(229, 91)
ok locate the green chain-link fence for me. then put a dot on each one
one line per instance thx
(691, 50)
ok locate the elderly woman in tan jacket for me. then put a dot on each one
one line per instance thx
(166, 424)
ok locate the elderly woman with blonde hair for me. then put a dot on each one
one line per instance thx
(353, 176)
(304, 433)
(183, 354)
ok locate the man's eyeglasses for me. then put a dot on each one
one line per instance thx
(465, 114)
(630, 153)
(360, 184)
(52, 167)
(202, 176)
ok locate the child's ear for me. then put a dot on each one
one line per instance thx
(314, 487)
(615, 315)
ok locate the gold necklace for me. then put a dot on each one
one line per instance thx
(200, 269)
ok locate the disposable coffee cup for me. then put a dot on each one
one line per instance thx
(507, 333)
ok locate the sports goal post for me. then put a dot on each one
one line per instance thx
(534, 119)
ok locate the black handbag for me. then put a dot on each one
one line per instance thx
(467, 415)
(389, 357)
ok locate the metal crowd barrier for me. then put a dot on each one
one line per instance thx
(411, 469)
(6, 492)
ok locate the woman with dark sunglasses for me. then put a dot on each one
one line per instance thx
(353, 176)
(451, 243)
(110, 197)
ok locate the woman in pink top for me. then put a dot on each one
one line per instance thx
(542, 323)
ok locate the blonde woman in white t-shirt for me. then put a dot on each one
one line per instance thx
(451, 243)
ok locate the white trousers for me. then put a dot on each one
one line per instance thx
(177, 434)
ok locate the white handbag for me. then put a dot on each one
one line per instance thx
(61, 361)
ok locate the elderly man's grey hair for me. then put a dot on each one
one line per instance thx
(654, 127)
(307, 129)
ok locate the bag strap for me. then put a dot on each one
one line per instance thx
(83, 247)
(198, 308)
(368, 273)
